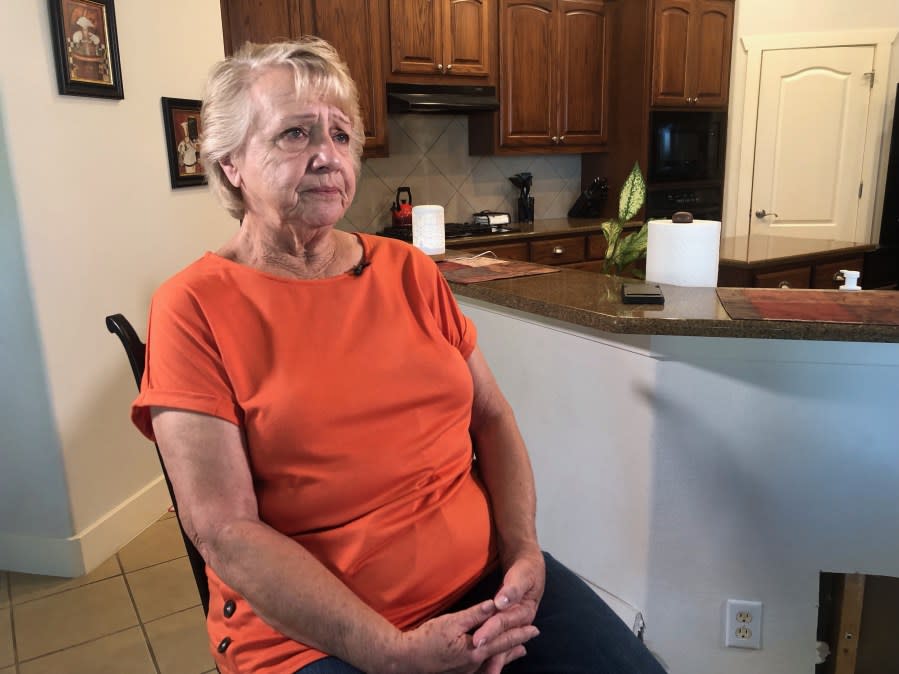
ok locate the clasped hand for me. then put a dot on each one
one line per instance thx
(487, 636)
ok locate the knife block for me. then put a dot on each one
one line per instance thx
(526, 209)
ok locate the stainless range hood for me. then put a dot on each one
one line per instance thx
(446, 98)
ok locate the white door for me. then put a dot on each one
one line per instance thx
(810, 142)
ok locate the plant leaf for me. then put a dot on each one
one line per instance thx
(633, 247)
(633, 194)
(612, 231)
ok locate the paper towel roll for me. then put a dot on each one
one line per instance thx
(683, 253)
(427, 229)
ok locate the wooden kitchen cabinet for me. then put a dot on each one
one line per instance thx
(691, 53)
(574, 250)
(815, 270)
(503, 251)
(554, 73)
(442, 40)
(561, 250)
(354, 28)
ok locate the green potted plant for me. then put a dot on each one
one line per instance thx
(622, 251)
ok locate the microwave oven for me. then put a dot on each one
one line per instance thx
(686, 146)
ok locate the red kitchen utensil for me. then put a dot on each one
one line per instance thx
(401, 211)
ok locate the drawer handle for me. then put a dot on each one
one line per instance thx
(558, 250)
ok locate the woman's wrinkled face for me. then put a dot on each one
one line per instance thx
(295, 166)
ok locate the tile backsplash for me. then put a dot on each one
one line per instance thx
(429, 154)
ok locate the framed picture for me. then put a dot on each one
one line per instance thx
(86, 48)
(181, 118)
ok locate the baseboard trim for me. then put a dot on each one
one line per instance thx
(82, 553)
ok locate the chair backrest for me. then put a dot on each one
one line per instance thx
(136, 350)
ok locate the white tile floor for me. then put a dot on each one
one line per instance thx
(137, 613)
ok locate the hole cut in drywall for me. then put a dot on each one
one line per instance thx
(857, 615)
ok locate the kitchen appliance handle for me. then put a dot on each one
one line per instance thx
(399, 191)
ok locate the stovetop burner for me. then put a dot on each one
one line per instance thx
(452, 230)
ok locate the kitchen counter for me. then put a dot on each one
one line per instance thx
(592, 300)
(674, 468)
(539, 228)
(750, 250)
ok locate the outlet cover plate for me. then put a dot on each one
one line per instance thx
(743, 624)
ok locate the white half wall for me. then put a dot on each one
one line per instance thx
(679, 472)
(92, 227)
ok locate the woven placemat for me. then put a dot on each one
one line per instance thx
(878, 307)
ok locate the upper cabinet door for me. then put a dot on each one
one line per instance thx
(673, 20)
(416, 42)
(467, 27)
(584, 43)
(715, 25)
(257, 21)
(431, 40)
(354, 29)
(528, 101)
(691, 52)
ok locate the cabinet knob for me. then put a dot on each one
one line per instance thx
(839, 278)
(449, 67)
(555, 139)
(784, 284)
(561, 139)
(558, 250)
(440, 67)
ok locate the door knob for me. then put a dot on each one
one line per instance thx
(764, 214)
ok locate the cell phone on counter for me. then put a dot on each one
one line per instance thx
(642, 293)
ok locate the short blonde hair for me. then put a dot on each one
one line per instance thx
(227, 111)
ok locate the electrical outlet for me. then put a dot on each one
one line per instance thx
(743, 624)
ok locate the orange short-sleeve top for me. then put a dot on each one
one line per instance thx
(355, 398)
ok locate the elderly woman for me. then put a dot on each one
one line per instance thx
(319, 399)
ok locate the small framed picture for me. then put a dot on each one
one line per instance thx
(86, 48)
(181, 118)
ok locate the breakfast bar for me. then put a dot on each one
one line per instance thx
(683, 457)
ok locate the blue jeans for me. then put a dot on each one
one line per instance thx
(579, 633)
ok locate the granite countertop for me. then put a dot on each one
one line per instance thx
(537, 229)
(593, 300)
(750, 250)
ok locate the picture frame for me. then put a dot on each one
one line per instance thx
(181, 119)
(86, 48)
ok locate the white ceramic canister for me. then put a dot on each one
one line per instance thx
(427, 229)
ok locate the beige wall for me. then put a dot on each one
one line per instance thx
(91, 226)
(777, 17)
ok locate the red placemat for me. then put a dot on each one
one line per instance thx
(474, 270)
(879, 307)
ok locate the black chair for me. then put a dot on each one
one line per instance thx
(136, 350)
